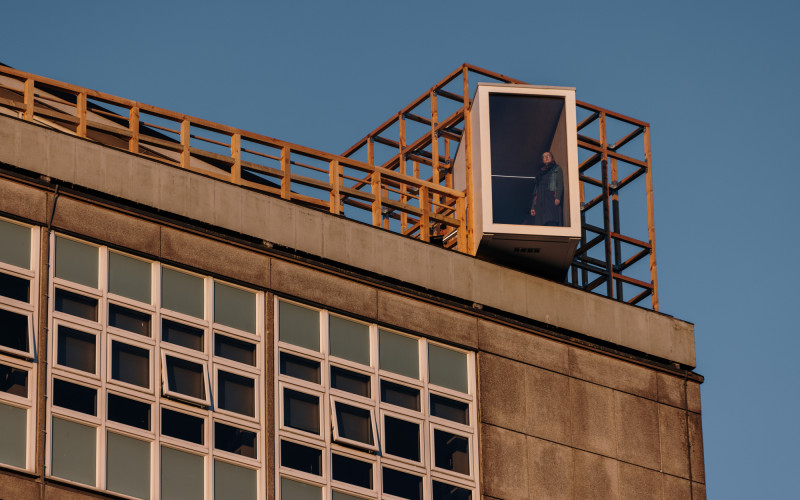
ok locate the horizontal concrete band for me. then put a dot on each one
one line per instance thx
(83, 163)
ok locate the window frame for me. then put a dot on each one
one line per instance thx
(171, 393)
(110, 339)
(30, 353)
(336, 438)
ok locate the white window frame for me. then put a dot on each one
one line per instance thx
(298, 440)
(136, 307)
(29, 354)
(56, 334)
(110, 339)
(337, 438)
(240, 373)
(361, 457)
(470, 452)
(323, 407)
(169, 392)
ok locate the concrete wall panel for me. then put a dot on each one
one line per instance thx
(594, 476)
(637, 431)
(18, 487)
(550, 470)
(614, 373)
(674, 443)
(522, 346)
(504, 463)
(503, 393)
(696, 447)
(637, 483)
(670, 390)
(593, 418)
(427, 319)
(676, 488)
(23, 201)
(548, 405)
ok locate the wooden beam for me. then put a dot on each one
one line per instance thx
(133, 126)
(651, 230)
(81, 114)
(336, 180)
(236, 153)
(28, 99)
(185, 138)
(286, 168)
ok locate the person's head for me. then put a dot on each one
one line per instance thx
(547, 158)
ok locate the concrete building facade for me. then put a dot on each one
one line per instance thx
(257, 348)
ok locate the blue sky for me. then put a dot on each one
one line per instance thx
(717, 81)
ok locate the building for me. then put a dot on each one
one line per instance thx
(180, 321)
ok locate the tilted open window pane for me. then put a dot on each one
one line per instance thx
(451, 452)
(447, 368)
(186, 378)
(302, 458)
(236, 393)
(399, 354)
(76, 349)
(74, 451)
(75, 397)
(295, 490)
(182, 426)
(449, 409)
(400, 395)
(13, 381)
(235, 440)
(129, 277)
(302, 368)
(15, 287)
(234, 349)
(130, 364)
(442, 491)
(182, 335)
(298, 325)
(353, 425)
(13, 438)
(232, 482)
(128, 465)
(76, 262)
(401, 438)
(129, 412)
(15, 244)
(76, 305)
(129, 320)
(17, 335)
(234, 307)
(353, 382)
(401, 484)
(182, 475)
(182, 292)
(349, 340)
(301, 411)
(351, 471)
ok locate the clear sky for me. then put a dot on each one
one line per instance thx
(717, 80)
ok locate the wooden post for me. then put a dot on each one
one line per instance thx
(28, 99)
(467, 138)
(376, 203)
(651, 229)
(425, 219)
(236, 154)
(334, 171)
(461, 216)
(606, 208)
(186, 130)
(401, 125)
(133, 124)
(286, 168)
(81, 112)
(435, 141)
(449, 178)
(403, 215)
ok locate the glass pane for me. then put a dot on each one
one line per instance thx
(128, 319)
(13, 381)
(235, 440)
(399, 354)
(301, 411)
(353, 382)
(76, 305)
(129, 411)
(130, 364)
(76, 349)
(451, 452)
(182, 475)
(449, 409)
(348, 470)
(349, 340)
(302, 458)
(235, 350)
(13, 439)
(298, 325)
(76, 262)
(185, 377)
(295, 490)
(128, 466)
(236, 393)
(15, 288)
(447, 368)
(235, 307)
(401, 437)
(401, 484)
(75, 397)
(400, 395)
(232, 482)
(182, 426)
(443, 491)
(74, 450)
(302, 368)
(338, 495)
(182, 335)
(129, 277)
(182, 292)
(353, 423)
(15, 331)
(15, 244)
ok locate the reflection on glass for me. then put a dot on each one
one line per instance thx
(234, 440)
(400, 395)
(76, 349)
(128, 319)
(295, 490)
(301, 411)
(450, 409)
(14, 435)
(128, 466)
(129, 277)
(182, 475)
(182, 292)
(442, 491)
(349, 340)
(76, 305)
(232, 482)
(185, 377)
(298, 325)
(15, 244)
(451, 452)
(353, 382)
(447, 368)
(74, 450)
(302, 458)
(182, 335)
(399, 354)
(236, 393)
(235, 307)
(234, 349)
(353, 423)
(302, 368)
(76, 262)
(130, 364)
(13, 381)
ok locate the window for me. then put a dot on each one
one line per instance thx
(367, 412)
(155, 378)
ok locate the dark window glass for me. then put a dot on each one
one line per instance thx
(76, 349)
(75, 397)
(301, 411)
(449, 409)
(443, 491)
(13, 381)
(348, 470)
(301, 458)
(451, 452)
(128, 319)
(186, 377)
(235, 350)
(401, 484)
(235, 440)
(183, 335)
(400, 395)
(15, 288)
(130, 364)
(76, 305)
(182, 426)
(353, 382)
(401, 438)
(15, 331)
(237, 393)
(302, 368)
(353, 423)
(128, 411)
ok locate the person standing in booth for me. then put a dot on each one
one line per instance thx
(548, 193)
